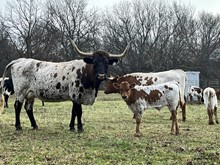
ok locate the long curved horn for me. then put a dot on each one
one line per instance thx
(87, 54)
(122, 54)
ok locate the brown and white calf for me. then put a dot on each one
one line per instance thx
(194, 91)
(152, 78)
(138, 98)
(211, 103)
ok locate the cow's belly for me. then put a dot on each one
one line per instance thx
(140, 105)
(87, 97)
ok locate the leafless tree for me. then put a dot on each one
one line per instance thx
(71, 19)
(22, 19)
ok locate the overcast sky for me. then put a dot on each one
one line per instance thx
(212, 6)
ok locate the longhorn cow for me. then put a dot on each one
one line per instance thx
(152, 78)
(76, 80)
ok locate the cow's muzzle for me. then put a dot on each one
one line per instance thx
(101, 76)
(124, 97)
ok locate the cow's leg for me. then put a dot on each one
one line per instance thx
(138, 122)
(183, 107)
(29, 109)
(6, 100)
(210, 114)
(18, 105)
(76, 112)
(215, 113)
(174, 122)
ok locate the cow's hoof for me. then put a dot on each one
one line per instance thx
(138, 134)
(80, 130)
(19, 128)
(35, 128)
(177, 133)
(72, 129)
(217, 122)
(211, 123)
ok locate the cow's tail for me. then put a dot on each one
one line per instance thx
(2, 84)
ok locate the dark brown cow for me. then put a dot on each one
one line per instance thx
(76, 80)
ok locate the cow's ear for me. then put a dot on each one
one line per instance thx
(132, 86)
(113, 61)
(116, 85)
(88, 60)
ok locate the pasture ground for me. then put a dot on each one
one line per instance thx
(108, 136)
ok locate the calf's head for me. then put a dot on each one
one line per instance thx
(125, 89)
(100, 60)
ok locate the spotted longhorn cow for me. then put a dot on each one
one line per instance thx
(76, 80)
(139, 98)
(152, 78)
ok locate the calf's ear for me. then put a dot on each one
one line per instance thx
(116, 85)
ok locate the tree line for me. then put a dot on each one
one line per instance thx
(163, 35)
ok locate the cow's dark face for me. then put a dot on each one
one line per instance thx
(100, 62)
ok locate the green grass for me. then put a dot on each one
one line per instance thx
(108, 136)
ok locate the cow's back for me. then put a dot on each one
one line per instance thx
(151, 78)
(156, 96)
(49, 81)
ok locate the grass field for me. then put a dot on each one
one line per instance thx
(108, 136)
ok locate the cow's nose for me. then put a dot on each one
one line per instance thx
(101, 76)
(124, 97)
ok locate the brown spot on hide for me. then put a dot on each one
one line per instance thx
(55, 75)
(109, 88)
(149, 81)
(63, 77)
(151, 98)
(133, 94)
(155, 79)
(73, 68)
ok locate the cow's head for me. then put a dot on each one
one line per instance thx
(109, 87)
(100, 60)
(125, 89)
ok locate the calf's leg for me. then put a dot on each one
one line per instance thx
(138, 122)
